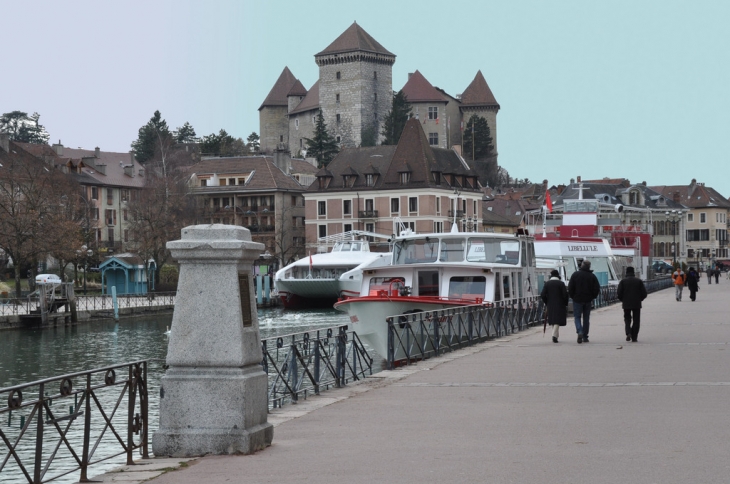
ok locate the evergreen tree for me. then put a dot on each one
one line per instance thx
(23, 128)
(323, 146)
(152, 135)
(396, 119)
(477, 139)
(185, 134)
(253, 142)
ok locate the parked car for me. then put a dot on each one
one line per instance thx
(47, 279)
(661, 267)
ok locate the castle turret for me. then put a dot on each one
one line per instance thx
(273, 120)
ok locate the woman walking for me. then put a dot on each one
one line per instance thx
(693, 279)
(555, 296)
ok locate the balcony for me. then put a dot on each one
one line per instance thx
(367, 214)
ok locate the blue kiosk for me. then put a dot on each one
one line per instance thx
(126, 272)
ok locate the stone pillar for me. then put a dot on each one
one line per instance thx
(213, 395)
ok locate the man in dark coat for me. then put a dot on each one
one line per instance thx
(555, 296)
(693, 278)
(583, 288)
(631, 292)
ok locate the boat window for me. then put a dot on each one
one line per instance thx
(524, 257)
(345, 247)
(428, 283)
(471, 287)
(452, 250)
(415, 251)
(505, 286)
(356, 246)
(388, 284)
(502, 251)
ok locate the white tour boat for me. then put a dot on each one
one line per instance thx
(438, 271)
(318, 280)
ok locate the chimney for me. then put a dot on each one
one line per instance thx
(578, 179)
(5, 142)
(141, 172)
(129, 170)
(96, 152)
(282, 160)
(409, 75)
(58, 148)
(131, 157)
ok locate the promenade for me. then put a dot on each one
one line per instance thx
(520, 409)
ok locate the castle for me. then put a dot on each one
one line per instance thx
(354, 92)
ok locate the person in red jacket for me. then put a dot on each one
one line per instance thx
(679, 279)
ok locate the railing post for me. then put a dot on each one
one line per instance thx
(144, 403)
(87, 431)
(470, 316)
(130, 414)
(317, 360)
(294, 372)
(437, 337)
(391, 345)
(340, 357)
(39, 437)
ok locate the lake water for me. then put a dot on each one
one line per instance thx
(28, 355)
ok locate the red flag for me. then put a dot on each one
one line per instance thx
(310, 262)
(437, 120)
(548, 202)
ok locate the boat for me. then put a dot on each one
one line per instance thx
(440, 271)
(319, 280)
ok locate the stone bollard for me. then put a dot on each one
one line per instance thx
(213, 395)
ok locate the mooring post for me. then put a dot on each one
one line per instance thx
(214, 389)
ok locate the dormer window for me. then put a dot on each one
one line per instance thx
(370, 180)
(405, 177)
(437, 178)
(634, 197)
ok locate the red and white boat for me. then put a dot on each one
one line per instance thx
(438, 271)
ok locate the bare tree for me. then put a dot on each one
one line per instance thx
(289, 227)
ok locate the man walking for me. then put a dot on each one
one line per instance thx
(692, 283)
(709, 275)
(631, 292)
(583, 288)
(555, 296)
(679, 279)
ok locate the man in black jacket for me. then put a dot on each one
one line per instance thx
(583, 288)
(631, 292)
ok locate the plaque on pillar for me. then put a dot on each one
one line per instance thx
(213, 395)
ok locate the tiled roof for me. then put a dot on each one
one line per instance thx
(412, 154)
(297, 89)
(418, 89)
(310, 101)
(694, 195)
(490, 217)
(267, 175)
(115, 163)
(277, 95)
(478, 93)
(513, 210)
(302, 167)
(355, 39)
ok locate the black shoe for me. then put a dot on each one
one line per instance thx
(633, 340)
(628, 337)
(555, 340)
(580, 338)
(585, 339)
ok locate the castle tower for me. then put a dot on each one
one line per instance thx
(355, 86)
(478, 99)
(273, 121)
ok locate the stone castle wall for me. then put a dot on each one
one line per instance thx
(274, 127)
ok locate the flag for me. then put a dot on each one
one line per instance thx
(548, 202)
(462, 126)
(437, 120)
(310, 262)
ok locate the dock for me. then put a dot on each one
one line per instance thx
(515, 409)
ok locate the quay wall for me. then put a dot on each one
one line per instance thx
(64, 319)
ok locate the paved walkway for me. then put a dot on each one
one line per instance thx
(521, 409)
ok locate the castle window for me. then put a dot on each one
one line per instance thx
(375, 97)
(281, 138)
(375, 74)
(301, 143)
(337, 98)
(338, 116)
(433, 112)
(337, 138)
(433, 139)
(338, 75)
(296, 123)
(314, 119)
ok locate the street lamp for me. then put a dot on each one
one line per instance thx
(85, 252)
(673, 217)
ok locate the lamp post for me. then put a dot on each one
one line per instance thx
(673, 217)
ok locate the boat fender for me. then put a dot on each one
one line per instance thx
(404, 318)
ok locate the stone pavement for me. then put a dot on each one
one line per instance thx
(520, 409)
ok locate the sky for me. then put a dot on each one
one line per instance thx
(634, 89)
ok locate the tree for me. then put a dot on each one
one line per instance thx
(289, 235)
(23, 128)
(152, 135)
(477, 139)
(396, 119)
(185, 134)
(323, 146)
(253, 142)
(222, 144)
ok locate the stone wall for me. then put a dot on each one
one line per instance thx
(274, 127)
(301, 126)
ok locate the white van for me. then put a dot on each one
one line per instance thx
(47, 279)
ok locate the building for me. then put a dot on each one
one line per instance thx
(383, 188)
(705, 222)
(354, 92)
(262, 193)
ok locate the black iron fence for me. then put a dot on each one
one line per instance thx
(106, 406)
(27, 305)
(311, 361)
(417, 336)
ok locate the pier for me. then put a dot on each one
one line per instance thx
(517, 409)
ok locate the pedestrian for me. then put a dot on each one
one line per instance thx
(555, 296)
(717, 274)
(679, 278)
(709, 275)
(631, 292)
(693, 279)
(583, 288)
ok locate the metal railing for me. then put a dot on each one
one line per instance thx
(300, 363)
(26, 305)
(421, 335)
(95, 404)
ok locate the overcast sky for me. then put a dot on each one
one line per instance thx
(635, 89)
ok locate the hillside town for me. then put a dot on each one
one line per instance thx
(356, 151)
